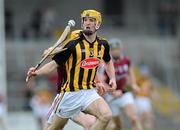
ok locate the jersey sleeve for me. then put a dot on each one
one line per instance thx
(106, 56)
(63, 56)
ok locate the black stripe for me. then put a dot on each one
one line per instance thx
(99, 46)
(81, 73)
(91, 45)
(72, 71)
(65, 79)
(94, 85)
(64, 74)
(89, 78)
(64, 88)
(90, 70)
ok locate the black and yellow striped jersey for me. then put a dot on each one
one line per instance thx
(81, 60)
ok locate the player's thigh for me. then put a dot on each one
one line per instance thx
(147, 115)
(85, 120)
(57, 123)
(130, 110)
(99, 108)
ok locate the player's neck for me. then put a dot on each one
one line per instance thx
(90, 38)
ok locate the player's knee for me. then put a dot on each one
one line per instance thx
(134, 118)
(112, 126)
(89, 123)
(106, 116)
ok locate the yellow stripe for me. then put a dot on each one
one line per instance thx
(58, 102)
(102, 51)
(87, 53)
(77, 69)
(64, 87)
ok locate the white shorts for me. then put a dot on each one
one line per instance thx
(143, 104)
(115, 104)
(72, 103)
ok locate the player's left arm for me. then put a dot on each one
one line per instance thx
(109, 67)
(133, 82)
(111, 74)
(101, 78)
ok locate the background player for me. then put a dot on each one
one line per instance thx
(143, 100)
(121, 97)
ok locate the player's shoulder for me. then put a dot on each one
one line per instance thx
(75, 34)
(102, 40)
(73, 37)
(125, 58)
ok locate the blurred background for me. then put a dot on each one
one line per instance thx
(149, 30)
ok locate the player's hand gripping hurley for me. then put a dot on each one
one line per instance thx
(59, 44)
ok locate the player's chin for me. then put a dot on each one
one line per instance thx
(87, 32)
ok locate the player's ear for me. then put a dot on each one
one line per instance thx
(97, 26)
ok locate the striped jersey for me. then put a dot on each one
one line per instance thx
(81, 60)
(121, 67)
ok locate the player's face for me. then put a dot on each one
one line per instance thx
(116, 52)
(88, 25)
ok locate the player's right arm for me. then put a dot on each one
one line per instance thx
(58, 59)
(44, 70)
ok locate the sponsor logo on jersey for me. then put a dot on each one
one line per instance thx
(90, 63)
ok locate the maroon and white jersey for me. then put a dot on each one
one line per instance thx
(121, 67)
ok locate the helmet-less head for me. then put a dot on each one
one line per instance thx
(116, 48)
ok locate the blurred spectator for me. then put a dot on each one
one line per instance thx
(28, 95)
(25, 32)
(144, 69)
(48, 22)
(168, 12)
(41, 102)
(36, 22)
(114, 9)
(9, 22)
